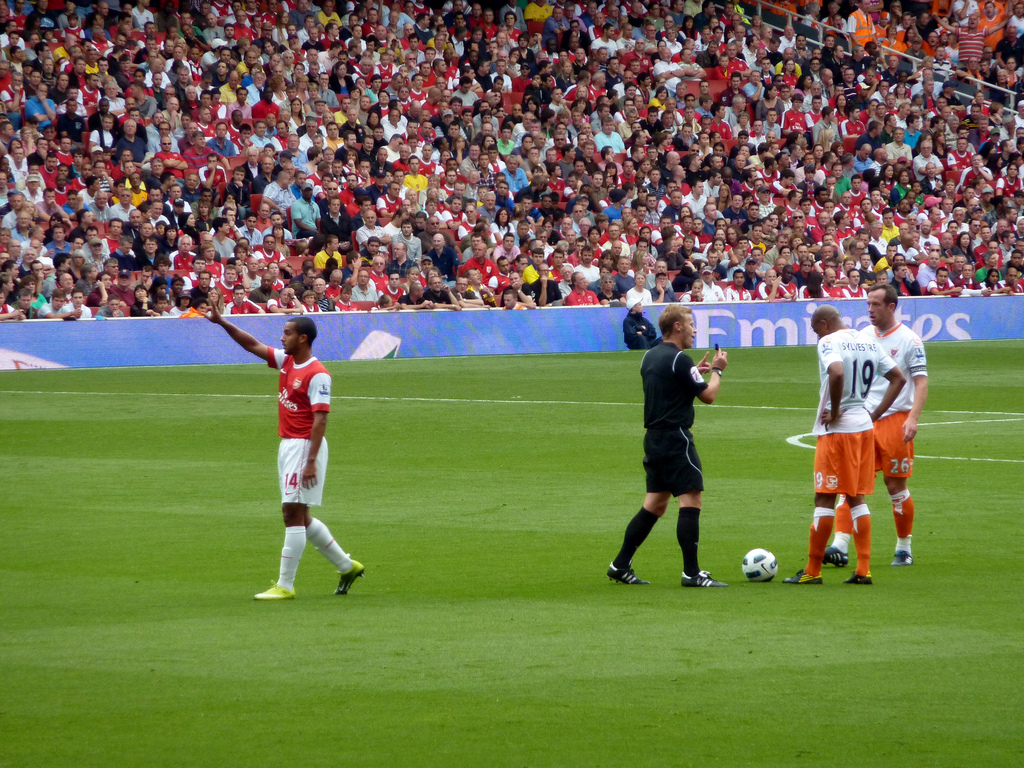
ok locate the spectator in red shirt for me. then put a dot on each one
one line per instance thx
(580, 295)
(479, 259)
(195, 156)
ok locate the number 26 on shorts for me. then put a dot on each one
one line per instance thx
(902, 467)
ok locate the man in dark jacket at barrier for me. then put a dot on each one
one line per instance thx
(637, 330)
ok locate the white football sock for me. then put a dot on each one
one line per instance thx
(903, 544)
(897, 500)
(319, 535)
(291, 553)
(857, 512)
(841, 541)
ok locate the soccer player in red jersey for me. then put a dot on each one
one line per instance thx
(304, 400)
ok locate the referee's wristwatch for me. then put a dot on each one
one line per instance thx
(717, 370)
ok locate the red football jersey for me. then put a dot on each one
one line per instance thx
(303, 390)
(245, 308)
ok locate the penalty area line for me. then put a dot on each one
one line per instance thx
(797, 441)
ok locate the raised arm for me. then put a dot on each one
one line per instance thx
(718, 364)
(246, 341)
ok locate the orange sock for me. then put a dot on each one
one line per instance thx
(844, 523)
(821, 529)
(903, 513)
(862, 537)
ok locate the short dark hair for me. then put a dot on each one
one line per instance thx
(892, 296)
(305, 327)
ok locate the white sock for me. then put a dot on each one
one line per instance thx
(319, 535)
(897, 500)
(903, 544)
(820, 512)
(841, 541)
(291, 553)
(857, 512)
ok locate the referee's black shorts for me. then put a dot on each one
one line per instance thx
(671, 462)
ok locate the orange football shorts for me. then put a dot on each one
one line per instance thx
(844, 463)
(893, 457)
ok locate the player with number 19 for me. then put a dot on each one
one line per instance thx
(844, 458)
(894, 432)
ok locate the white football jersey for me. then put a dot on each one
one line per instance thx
(906, 348)
(863, 360)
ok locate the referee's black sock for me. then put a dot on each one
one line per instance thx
(636, 532)
(688, 533)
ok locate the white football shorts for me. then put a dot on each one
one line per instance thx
(291, 460)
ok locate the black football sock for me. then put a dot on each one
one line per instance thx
(636, 532)
(688, 533)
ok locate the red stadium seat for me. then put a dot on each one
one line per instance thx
(254, 202)
(364, 305)
(717, 86)
(712, 75)
(236, 162)
(849, 143)
(535, 27)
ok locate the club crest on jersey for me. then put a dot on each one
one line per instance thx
(296, 383)
(893, 352)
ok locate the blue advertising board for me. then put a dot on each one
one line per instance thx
(364, 335)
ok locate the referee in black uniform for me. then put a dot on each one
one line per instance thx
(671, 381)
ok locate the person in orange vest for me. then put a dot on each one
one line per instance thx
(861, 28)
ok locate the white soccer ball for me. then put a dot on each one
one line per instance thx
(760, 565)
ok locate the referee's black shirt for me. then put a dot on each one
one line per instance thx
(671, 381)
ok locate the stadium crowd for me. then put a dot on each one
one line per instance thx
(292, 158)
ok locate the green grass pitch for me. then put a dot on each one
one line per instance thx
(137, 527)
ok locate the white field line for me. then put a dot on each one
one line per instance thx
(513, 401)
(796, 440)
(967, 421)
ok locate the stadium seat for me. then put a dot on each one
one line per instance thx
(849, 143)
(535, 27)
(366, 306)
(717, 86)
(254, 202)
(236, 162)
